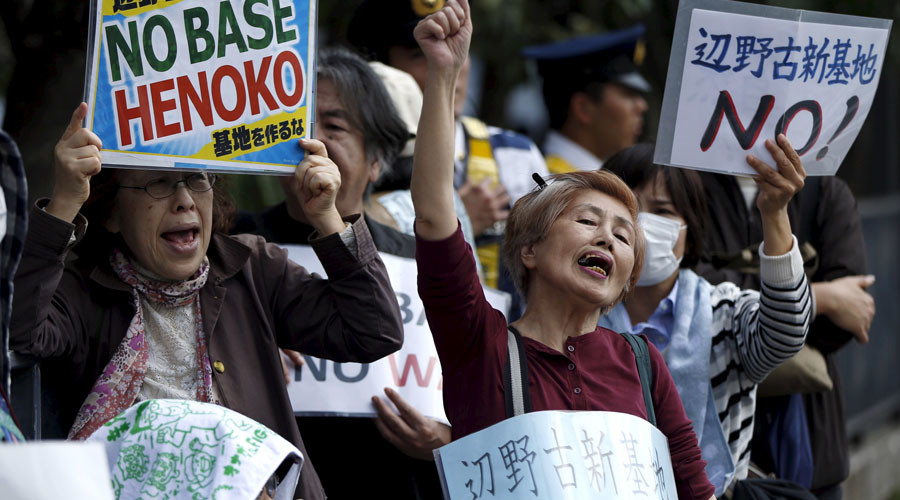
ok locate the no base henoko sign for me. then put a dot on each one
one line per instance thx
(222, 85)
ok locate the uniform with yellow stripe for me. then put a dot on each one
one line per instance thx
(504, 157)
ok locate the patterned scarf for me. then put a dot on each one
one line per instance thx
(119, 383)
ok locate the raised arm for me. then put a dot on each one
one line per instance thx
(776, 330)
(444, 38)
(76, 159)
(47, 319)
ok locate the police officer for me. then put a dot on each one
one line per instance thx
(594, 97)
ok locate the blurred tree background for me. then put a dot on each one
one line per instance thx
(42, 60)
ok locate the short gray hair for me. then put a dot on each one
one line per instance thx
(367, 101)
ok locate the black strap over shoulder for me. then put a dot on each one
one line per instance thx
(642, 358)
(515, 376)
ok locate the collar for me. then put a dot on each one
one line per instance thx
(226, 257)
(659, 325)
(560, 145)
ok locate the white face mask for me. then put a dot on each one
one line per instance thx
(659, 260)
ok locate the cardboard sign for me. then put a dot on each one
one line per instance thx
(741, 73)
(322, 387)
(560, 455)
(50, 470)
(191, 84)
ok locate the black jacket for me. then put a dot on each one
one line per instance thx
(824, 214)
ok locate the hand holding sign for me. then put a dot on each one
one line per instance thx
(76, 159)
(317, 182)
(776, 188)
(741, 73)
(407, 429)
(445, 36)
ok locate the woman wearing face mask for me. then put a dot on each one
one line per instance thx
(719, 342)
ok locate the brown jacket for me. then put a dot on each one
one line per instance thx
(255, 301)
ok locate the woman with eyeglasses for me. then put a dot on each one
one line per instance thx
(574, 249)
(158, 303)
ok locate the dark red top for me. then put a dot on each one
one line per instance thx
(597, 372)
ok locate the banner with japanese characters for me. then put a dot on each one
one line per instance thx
(192, 84)
(322, 387)
(740, 74)
(569, 455)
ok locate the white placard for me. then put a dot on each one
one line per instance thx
(324, 387)
(741, 73)
(560, 455)
(51, 470)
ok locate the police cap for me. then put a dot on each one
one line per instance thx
(570, 65)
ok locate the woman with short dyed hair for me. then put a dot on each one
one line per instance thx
(530, 219)
(574, 247)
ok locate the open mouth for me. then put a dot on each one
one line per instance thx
(182, 238)
(598, 263)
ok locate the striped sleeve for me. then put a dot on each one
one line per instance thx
(770, 326)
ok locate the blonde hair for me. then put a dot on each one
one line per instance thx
(531, 217)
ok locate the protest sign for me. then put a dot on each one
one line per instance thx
(561, 455)
(191, 84)
(742, 73)
(50, 470)
(322, 387)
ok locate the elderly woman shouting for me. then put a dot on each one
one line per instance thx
(574, 248)
(159, 303)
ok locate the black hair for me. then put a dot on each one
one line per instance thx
(635, 166)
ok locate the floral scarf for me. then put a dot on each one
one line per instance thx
(118, 385)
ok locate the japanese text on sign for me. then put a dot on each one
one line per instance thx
(556, 454)
(744, 74)
(188, 83)
(826, 60)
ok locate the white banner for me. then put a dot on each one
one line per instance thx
(741, 73)
(324, 387)
(560, 455)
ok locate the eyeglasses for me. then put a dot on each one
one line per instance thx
(163, 187)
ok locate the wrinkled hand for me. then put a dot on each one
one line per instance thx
(410, 431)
(485, 205)
(76, 159)
(294, 357)
(444, 36)
(317, 181)
(777, 187)
(846, 302)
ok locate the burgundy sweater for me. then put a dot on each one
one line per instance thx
(596, 372)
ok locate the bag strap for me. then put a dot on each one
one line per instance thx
(515, 376)
(645, 373)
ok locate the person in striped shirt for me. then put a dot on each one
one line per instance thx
(719, 341)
